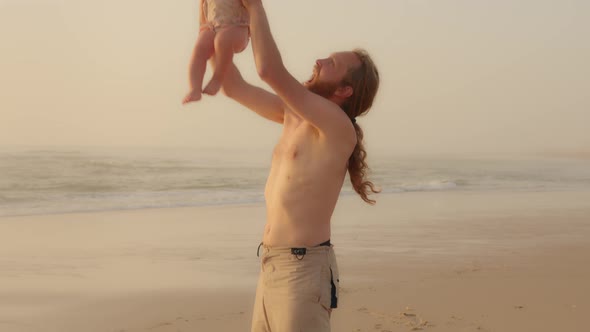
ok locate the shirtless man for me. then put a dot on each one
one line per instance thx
(320, 142)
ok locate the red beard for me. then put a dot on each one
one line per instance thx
(323, 89)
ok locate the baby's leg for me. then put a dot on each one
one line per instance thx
(228, 41)
(202, 52)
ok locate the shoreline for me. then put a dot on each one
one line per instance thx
(343, 196)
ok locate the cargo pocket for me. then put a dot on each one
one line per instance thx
(335, 283)
(330, 284)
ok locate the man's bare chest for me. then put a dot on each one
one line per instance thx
(297, 143)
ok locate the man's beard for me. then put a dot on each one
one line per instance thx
(323, 89)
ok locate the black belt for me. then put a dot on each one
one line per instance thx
(298, 251)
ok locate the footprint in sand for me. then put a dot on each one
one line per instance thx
(407, 318)
(476, 328)
(475, 267)
(471, 327)
(454, 320)
(159, 325)
(414, 321)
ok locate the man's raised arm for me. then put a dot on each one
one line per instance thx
(264, 103)
(323, 114)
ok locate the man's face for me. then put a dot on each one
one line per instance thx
(329, 72)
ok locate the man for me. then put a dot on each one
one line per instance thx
(298, 284)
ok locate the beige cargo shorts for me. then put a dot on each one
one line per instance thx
(297, 289)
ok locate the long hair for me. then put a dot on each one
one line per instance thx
(364, 81)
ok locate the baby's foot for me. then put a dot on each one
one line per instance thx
(194, 95)
(212, 87)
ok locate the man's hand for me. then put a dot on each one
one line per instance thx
(231, 78)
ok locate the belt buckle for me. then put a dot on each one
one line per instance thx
(298, 251)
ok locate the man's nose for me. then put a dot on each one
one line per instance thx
(322, 61)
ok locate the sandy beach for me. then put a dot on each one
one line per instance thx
(433, 261)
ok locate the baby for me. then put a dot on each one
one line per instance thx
(224, 31)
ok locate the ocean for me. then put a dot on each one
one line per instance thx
(64, 180)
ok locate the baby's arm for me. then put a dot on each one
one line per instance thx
(202, 18)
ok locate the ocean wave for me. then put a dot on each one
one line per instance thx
(48, 181)
(435, 185)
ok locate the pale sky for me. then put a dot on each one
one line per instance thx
(457, 75)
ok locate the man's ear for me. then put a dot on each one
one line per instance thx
(344, 91)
